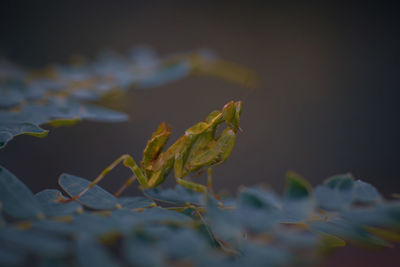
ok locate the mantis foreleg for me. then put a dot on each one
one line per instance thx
(129, 162)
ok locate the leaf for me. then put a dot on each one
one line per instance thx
(254, 254)
(296, 187)
(135, 202)
(9, 257)
(95, 198)
(337, 193)
(184, 244)
(165, 75)
(8, 130)
(34, 242)
(380, 215)
(294, 239)
(349, 232)
(140, 253)
(48, 201)
(177, 195)
(261, 210)
(258, 209)
(94, 224)
(55, 227)
(17, 200)
(89, 253)
(51, 262)
(55, 111)
(366, 193)
(129, 219)
(225, 224)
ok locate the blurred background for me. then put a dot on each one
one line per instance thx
(327, 102)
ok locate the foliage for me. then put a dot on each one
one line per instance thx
(257, 228)
(173, 226)
(58, 95)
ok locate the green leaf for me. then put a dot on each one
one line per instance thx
(349, 232)
(49, 201)
(261, 210)
(89, 253)
(55, 227)
(17, 200)
(34, 242)
(254, 254)
(296, 187)
(8, 130)
(177, 195)
(9, 257)
(258, 208)
(95, 198)
(55, 111)
(140, 253)
(128, 218)
(337, 193)
(95, 224)
(225, 224)
(366, 193)
(381, 215)
(184, 244)
(165, 75)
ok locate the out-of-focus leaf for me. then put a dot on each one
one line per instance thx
(55, 227)
(296, 187)
(9, 257)
(297, 239)
(165, 75)
(141, 253)
(365, 193)
(34, 242)
(385, 214)
(295, 211)
(95, 198)
(225, 224)
(90, 253)
(261, 255)
(94, 224)
(135, 202)
(337, 193)
(329, 242)
(10, 129)
(149, 216)
(177, 195)
(349, 232)
(52, 262)
(184, 244)
(2, 221)
(49, 200)
(56, 111)
(17, 200)
(55, 95)
(258, 198)
(258, 209)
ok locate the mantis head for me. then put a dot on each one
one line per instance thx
(231, 114)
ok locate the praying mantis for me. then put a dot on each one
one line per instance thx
(202, 146)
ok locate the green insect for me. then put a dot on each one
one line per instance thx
(202, 146)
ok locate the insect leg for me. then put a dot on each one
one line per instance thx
(210, 184)
(129, 162)
(125, 185)
(209, 180)
(192, 185)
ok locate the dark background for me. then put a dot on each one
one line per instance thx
(327, 102)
